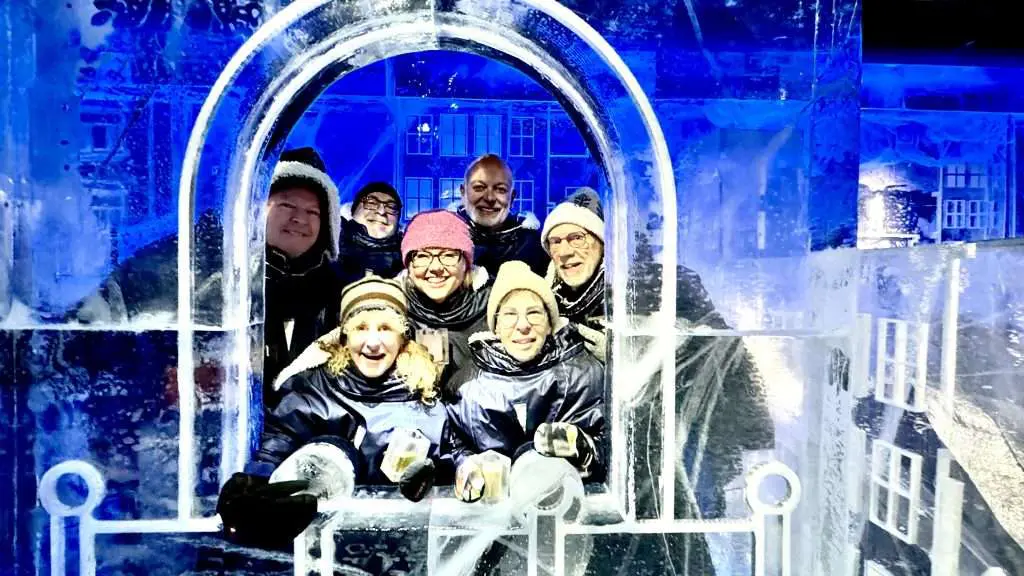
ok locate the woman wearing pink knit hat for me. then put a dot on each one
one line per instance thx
(447, 294)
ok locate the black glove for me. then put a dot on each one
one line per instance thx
(257, 513)
(417, 479)
(567, 441)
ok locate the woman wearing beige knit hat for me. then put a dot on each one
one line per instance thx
(532, 385)
(354, 389)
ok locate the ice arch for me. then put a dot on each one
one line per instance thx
(311, 43)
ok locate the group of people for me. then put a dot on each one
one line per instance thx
(474, 329)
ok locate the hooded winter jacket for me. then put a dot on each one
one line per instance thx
(500, 402)
(302, 296)
(360, 252)
(518, 238)
(457, 318)
(349, 406)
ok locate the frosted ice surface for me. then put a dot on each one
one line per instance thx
(328, 470)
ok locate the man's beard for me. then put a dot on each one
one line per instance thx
(488, 219)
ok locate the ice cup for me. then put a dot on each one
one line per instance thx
(495, 469)
(405, 447)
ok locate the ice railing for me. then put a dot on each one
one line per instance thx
(929, 333)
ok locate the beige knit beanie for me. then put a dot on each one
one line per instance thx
(516, 275)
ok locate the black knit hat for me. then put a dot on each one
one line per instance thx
(383, 188)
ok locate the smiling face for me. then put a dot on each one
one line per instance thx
(379, 213)
(575, 252)
(437, 272)
(522, 324)
(374, 338)
(293, 221)
(487, 194)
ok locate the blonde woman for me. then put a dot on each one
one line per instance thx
(352, 388)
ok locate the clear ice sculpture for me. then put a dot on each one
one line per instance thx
(737, 159)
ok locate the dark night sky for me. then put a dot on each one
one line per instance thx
(909, 30)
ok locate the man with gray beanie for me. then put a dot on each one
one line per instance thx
(718, 431)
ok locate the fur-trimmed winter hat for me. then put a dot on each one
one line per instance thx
(372, 293)
(438, 229)
(582, 209)
(304, 168)
(383, 188)
(516, 275)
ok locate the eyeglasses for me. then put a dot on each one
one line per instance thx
(422, 260)
(509, 318)
(575, 240)
(372, 205)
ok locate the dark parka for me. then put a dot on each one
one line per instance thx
(500, 402)
(364, 412)
(360, 252)
(457, 318)
(304, 293)
(518, 238)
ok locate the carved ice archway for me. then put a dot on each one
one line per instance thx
(312, 43)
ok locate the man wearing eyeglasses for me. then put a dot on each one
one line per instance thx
(370, 238)
(498, 235)
(573, 235)
(719, 394)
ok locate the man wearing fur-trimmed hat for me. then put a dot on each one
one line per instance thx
(302, 280)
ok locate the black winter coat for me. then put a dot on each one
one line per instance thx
(360, 252)
(518, 238)
(351, 407)
(500, 403)
(304, 293)
(459, 317)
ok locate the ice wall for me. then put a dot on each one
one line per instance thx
(758, 108)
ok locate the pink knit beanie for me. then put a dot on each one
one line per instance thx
(438, 229)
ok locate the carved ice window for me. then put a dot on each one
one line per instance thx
(895, 490)
(901, 364)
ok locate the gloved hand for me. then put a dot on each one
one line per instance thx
(595, 340)
(262, 514)
(469, 481)
(417, 479)
(562, 440)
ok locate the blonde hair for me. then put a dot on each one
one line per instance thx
(414, 365)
